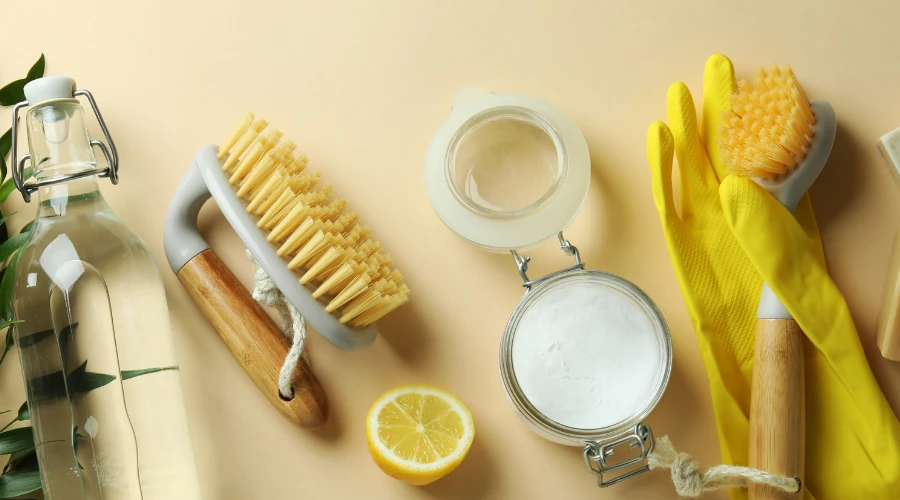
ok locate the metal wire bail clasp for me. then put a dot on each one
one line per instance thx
(596, 455)
(564, 245)
(109, 152)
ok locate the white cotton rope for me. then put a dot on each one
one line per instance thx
(292, 323)
(689, 482)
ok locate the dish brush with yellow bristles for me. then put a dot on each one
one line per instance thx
(317, 263)
(319, 237)
(775, 135)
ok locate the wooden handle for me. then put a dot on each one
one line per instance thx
(252, 337)
(777, 409)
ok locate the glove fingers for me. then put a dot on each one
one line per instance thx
(697, 181)
(660, 150)
(718, 84)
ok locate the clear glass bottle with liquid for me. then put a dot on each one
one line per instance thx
(94, 340)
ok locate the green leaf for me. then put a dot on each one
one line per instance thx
(6, 217)
(23, 414)
(5, 146)
(16, 440)
(90, 381)
(14, 93)
(9, 186)
(20, 457)
(23, 460)
(27, 227)
(79, 380)
(13, 245)
(4, 229)
(6, 287)
(9, 344)
(75, 436)
(34, 338)
(64, 336)
(5, 143)
(17, 483)
(37, 70)
(127, 374)
(4, 324)
(6, 189)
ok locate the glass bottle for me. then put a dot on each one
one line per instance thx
(94, 340)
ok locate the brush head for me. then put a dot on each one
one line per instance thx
(769, 128)
(776, 135)
(316, 236)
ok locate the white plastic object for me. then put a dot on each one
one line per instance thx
(889, 145)
(514, 233)
(182, 242)
(48, 88)
(790, 188)
(887, 334)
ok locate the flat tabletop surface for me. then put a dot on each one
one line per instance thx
(361, 87)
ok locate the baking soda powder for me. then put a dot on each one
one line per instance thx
(586, 356)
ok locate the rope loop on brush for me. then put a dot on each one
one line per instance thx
(691, 483)
(292, 324)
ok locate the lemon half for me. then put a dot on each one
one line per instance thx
(418, 433)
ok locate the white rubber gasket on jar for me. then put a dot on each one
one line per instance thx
(528, 229)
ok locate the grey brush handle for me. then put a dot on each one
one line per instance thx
(181, 239)
(204, 179)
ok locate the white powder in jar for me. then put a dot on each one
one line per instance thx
(585, 355)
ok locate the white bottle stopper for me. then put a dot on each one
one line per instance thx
(49, 87)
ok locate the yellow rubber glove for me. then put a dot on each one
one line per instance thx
(852, 435)
(718, 282)
(721, 288)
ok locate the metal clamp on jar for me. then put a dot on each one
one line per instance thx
(508, 172)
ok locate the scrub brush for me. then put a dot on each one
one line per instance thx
(775, 135)
(319, 238)
(315, 251)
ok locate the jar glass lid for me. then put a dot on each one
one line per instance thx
(586, 354)
(505, 171)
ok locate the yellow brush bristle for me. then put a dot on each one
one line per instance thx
(769, 128)
(309, 228)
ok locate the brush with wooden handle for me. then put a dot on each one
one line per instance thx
(318, 254)
(775, 135)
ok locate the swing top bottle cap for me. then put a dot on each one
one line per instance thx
(49, 87)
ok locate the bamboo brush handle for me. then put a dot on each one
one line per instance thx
(777, 407)
(252, 337)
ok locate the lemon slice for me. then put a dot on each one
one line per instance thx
(418, 433)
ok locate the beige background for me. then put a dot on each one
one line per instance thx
(361, 86)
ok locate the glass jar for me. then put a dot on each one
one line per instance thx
(94, 338)
(508, 172)
(645, 365)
